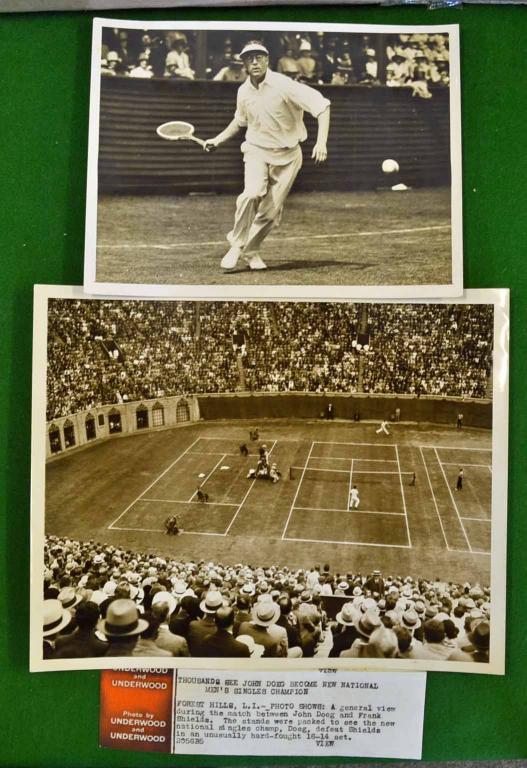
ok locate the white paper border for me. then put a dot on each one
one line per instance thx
(197, 291)
(500, 405)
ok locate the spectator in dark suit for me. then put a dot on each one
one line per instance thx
(221, 642)
(83, 641)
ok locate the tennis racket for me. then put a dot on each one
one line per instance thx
(176, 130)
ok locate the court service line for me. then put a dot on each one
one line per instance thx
(435, 501)
(478, 519)
(357, 471)
(291, 238)
(404, 500)
(474, 551)
(457, 463)
(182, 501)
(153, 483)
(245, 497)
(453, 501)
(160, 530)
(455, 448)
(297, 490)
(210, 453)
(334, 442)
(353, 511)
(359, 543)
(210, 473)
(347, 458)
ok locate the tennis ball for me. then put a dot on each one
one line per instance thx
(390, 166)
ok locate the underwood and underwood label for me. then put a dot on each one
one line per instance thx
(242, 713)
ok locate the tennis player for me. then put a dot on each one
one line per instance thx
(271, 107)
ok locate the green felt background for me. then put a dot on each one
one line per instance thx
(51, 719)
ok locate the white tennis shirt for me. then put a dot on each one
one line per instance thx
(273, 113)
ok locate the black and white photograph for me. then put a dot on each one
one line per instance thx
(274, 161)
(229, 484)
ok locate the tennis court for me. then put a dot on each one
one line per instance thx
(407, 495)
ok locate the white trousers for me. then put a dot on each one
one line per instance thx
(259, 207)
(354, 502)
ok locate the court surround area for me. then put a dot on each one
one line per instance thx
(122, 490)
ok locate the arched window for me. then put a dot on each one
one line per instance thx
(114, 422)
(91, 432)
(182, 411)
(158, 415)
(69, 434)
(55, 443)
(141, 417)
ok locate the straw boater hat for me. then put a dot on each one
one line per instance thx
(122, 620)
(211, 602)
(265, 613)
(165, 597)
(255, 649)
(69, 597)
(410, 619)
(366, 623)
(56, 617)
(347, 615)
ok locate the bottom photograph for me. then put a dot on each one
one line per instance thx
(294, 485)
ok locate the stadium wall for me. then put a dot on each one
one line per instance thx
(367, 126)
(108, 421)
(301, 405)
(70, 432)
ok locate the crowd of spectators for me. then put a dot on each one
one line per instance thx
(417, 349)
(416, 61)
(110, 352)
(101, 600)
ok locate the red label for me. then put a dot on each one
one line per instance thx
(136, 710)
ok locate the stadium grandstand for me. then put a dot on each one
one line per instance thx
(110, 352)
(165, 417)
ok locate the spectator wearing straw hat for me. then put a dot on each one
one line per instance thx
(262, 628)
(146, 644)
(200, 628)
(344, 632)
(479, 644)
(122, 627)
(289, 621)
(365, 624)
(55, 618)
(83, 642)
(161, 611)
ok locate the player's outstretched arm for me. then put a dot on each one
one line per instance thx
(230, 131)
(320, 150)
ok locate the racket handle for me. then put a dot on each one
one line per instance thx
(198, 141)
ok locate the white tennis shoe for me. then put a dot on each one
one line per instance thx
(230, 259)
(256, 262)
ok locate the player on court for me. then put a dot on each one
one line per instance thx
(383, 428)
(354, 500)
(271, 107)
(459, 482)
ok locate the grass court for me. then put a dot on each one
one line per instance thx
(130, 485)
(353, 238)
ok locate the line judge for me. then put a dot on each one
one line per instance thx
(271, 107)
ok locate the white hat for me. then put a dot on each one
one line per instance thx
(253, 48)
(305, 46)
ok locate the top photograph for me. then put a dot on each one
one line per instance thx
(275, 160)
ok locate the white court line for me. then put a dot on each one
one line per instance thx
(453, 501)
(333, 442)
(435, 502)
(359, 543)
(297, 491)
(211, 453)
(245, 497)
(292, 238)
(479, 519)
(457, 463)
(210, 473)
(161, 530)
(455, 448)
(181, 501)
(154, 482)
(354, 511)
(347, 458)
(404, 500)
(474, 552)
